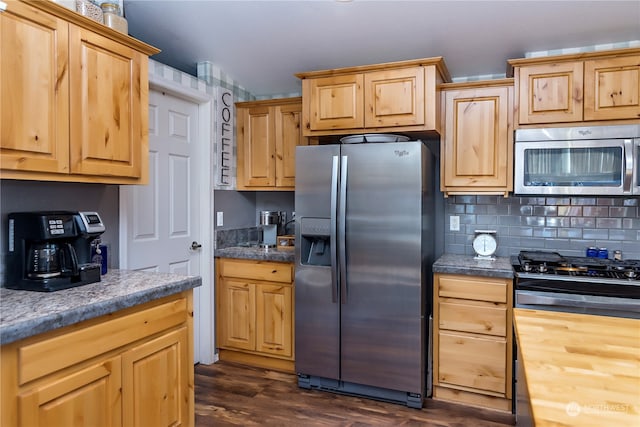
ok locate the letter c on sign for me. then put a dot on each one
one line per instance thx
(224, 99)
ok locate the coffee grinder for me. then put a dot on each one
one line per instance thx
(270, 221)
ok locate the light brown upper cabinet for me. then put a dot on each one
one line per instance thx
(477, 138)
(591, 86)
(397, 96)
(268, 133)
(74, 98)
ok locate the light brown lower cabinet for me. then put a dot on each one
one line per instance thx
(255, 312)
(130, 368)
(472, 340)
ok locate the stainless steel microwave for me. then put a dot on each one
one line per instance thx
(597, 160)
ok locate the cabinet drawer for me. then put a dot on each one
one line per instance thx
(476, 288)
(477, 362)
(256, 270)
(49, 355)
(471, 318)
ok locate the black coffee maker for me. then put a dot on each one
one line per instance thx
(49, 251)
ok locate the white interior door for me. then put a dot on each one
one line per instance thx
(164, 214)
(160, 222)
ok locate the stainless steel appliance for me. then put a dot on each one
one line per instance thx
(364, 249)
(550, 281)
(597, 160)
(270, 224)
(49, 251)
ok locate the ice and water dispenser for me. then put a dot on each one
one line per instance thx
(315, 244)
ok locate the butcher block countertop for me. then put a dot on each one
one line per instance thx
(580, 370)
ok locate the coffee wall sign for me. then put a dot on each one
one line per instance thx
(224, 136)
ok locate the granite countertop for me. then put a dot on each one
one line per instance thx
(467, 264)
(579, 369)
(257, 253)
(27, 313)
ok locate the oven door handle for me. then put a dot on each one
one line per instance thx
(530, 298)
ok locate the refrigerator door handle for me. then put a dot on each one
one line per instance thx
(342, 240)
(335, 279)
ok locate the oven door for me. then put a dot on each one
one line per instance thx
(573, 303)
(591, 167)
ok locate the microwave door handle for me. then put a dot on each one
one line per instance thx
(628, 165)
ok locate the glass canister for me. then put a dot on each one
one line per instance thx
(89, 9)
(112, 17)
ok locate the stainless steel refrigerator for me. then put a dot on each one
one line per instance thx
(364, 233)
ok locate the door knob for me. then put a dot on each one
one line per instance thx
(195, 245)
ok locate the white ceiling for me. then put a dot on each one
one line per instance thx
(262, 44)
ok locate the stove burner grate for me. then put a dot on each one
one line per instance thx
(552, 263)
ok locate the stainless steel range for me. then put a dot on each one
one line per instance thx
(550, 281)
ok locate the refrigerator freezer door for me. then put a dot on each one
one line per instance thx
(383, 307)
(317, 314)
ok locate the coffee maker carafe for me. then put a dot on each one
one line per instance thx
(49, 251)
(49, 259)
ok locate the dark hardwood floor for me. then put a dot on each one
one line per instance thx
(228, 394)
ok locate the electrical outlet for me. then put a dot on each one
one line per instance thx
(219, 219)
(454, 223)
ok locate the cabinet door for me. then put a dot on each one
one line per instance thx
(156, 379)
(288, 136)
(106, 120)
(256, 156)
(477, 142)
(237, 302)
(472, 361)
(551, 93)
(612, 88)
(90, 396)
(274, 320)
(394, 98)
(34, 90)
(335, 102)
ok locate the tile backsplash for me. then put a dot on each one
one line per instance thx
(565, 224)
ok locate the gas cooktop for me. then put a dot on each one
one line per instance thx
(543, 263)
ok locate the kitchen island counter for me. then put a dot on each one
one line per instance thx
(467, 264)
(256, 253)
(580, 370)
(26, 313)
